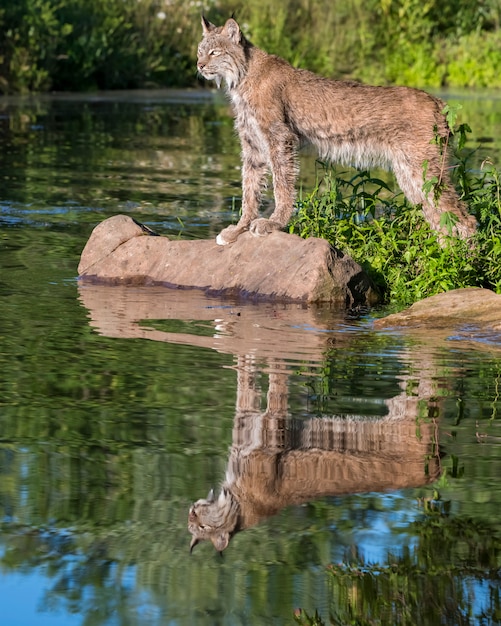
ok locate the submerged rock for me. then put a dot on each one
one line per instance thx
(471, 314)
(277, 267)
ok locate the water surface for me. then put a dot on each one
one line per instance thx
(121, 406)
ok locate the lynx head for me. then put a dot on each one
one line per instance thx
(221, 53)
(214, 519)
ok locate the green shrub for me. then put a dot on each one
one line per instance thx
(392, 241)
(474, 60)
(30, 31)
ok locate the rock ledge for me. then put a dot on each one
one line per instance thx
(280, 266)
(471, 306)
(470, 314)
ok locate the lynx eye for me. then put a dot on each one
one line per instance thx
(214, 53)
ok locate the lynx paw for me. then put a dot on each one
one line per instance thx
(262, 227)
(229, 235)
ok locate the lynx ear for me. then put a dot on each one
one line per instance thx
(232, 30)
(221, 541)
(207, 26)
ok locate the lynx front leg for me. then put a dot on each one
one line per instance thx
(254, 173)
(283, 159)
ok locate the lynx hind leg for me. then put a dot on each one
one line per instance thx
(409, 175)
(465, 224)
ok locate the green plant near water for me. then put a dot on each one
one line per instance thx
(458, 134)
(359, 214)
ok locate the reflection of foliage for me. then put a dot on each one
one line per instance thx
(111, 156)
(99, 572)
(84, 577)
(343, 384)
(439, 581)
(403, 594)
(302, 617)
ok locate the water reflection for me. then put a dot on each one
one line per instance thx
(75, 158)
(106, 437)
(277, 460)
(279, 331)
(306, 475)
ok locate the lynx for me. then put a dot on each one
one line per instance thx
(277, 108)
(276, 461)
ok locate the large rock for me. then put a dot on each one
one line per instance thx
(469, 314)
(280, 266)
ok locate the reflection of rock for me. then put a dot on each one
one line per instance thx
(277, 267)
(471, 314)
(287, 331)
(276, 461)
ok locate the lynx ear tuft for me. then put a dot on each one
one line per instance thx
(232, 30)
(223, 496)
(193, 543)
(206, 25)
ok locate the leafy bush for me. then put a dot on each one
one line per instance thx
(392, 241)
(29, 28)
(385, 41)
(474, 60)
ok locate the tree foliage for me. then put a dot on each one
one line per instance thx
(110, 44)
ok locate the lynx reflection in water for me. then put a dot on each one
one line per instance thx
(276, 461)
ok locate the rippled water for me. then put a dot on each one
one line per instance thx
(378, 453)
